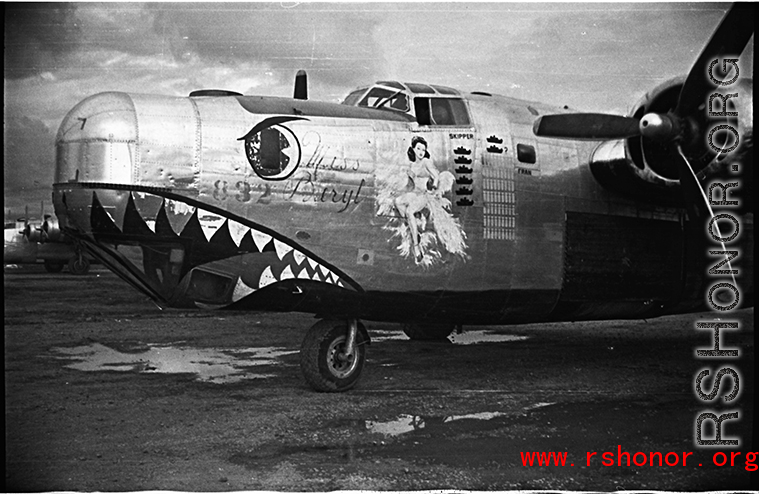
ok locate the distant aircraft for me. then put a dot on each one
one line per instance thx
(411, 203)
(29, 241)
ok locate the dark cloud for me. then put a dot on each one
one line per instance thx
(38, 37)
(29, 164)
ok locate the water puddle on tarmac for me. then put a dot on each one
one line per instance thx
(476, 337)
(466, 338)
(218, 366)
(409, 423)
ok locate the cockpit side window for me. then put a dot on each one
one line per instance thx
(526, 153)
(354, 97)
(385, 98)
(460, 113)
(441, 111)
(422, 108)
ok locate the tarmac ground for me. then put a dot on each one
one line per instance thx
(106, 392)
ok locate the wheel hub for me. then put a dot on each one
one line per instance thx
(340, 363)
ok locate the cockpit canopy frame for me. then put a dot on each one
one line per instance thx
(428, 104)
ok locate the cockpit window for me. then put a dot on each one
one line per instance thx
(446, 90)
(392, 84)
(431, 105)
(354, 97)
(420, 88)
(379, 97)
(441, 111)
(526, 153)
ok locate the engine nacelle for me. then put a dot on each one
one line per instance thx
(47, 230)
(647, 167)
(33, 231)
(51, 229)
(615, 170)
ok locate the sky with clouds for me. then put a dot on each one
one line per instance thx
(590, 56)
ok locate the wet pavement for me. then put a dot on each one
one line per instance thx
(212, 365)
(105, 392)
(217, 365)
(470, 337)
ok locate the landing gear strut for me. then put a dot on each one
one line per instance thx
(333, 353)
(79, 264)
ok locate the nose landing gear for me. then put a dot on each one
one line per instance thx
(79, 264)
(333, 353)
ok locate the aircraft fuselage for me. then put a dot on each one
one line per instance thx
(280, 204)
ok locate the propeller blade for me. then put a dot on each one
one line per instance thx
(696, 201)
(728, 40)
(586, 126)
(301, 85)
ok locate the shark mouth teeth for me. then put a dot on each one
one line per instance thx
(293, 264)
(263, 258)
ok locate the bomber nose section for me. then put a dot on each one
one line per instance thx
(97, 140)
(143, 186)
(97, 159)
(95, 147)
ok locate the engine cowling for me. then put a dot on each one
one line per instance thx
(33, 231)
(645, 167)
(51, 229)
(40, 231)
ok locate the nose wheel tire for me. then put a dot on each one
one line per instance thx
(324, 358)
(79, 265)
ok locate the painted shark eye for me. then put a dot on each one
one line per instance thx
(273, 152)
